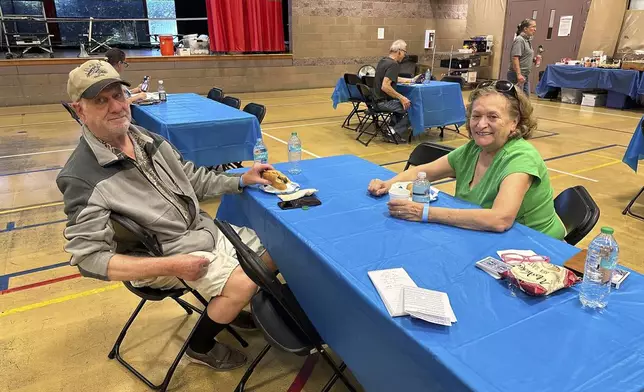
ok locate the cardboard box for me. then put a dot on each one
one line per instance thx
(571, 95)
(593, 99)
(485, 60)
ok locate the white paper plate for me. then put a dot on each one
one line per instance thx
(290, 188)
(433, 193)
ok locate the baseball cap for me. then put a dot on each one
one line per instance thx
(90, 78)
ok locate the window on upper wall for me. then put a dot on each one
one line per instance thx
(161, 9)
(26, 8)
(122, 31)
(636, 5)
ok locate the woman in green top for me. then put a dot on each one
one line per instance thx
(497, 170)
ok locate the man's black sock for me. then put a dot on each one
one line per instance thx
(203, 339)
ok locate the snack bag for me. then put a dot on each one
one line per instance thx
(540, 278)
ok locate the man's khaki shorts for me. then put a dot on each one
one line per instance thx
(224, 263)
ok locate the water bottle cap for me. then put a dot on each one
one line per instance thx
(422, 175)
(259, 139)
(160, 81)
(293, 133)
(607, 230)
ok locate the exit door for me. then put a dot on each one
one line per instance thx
(560, 25)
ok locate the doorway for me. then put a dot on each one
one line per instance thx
(556, 33)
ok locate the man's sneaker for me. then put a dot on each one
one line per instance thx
(220, 358)
(244, 322)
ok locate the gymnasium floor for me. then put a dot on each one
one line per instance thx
(58, 328)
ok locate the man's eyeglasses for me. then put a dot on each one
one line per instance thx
(502, 86)
(125, 64)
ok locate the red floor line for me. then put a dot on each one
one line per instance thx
(39, 284)
(304, 374)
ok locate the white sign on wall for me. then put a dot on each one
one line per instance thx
(565, 26)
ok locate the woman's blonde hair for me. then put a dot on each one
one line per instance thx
(519, 108)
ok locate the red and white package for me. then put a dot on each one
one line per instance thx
(540, 278)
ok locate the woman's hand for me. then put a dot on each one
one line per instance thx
(407, 210)
(378, 187)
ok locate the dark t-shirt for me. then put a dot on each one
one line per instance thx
(386, 67)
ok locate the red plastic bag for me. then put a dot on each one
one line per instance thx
(540, 278)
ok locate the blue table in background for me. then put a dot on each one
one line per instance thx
(500, 342)
(635, 150)
(206, 132)
(624, 82)
(436, 104)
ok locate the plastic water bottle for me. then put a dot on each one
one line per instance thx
(602, 259)
(428, 76)
(294, 153)
(260, 152)
(162, 95)
(146, 84)
(420, 189)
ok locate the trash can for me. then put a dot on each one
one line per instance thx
(166, 45)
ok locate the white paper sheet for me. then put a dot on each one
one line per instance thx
(389, 283)
(565, 26)
(429, 305)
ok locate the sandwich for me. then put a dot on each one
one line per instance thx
(278, 180)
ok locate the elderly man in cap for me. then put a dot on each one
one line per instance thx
(121, 168)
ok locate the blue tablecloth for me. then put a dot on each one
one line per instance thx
(500, 342)
(635, 150)
(206, 132)
(436, 104)
(623, 81)
(640, 88)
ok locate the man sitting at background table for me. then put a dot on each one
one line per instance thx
(384, 87)
(124, 169)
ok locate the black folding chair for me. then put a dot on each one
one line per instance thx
(578, 212)
(71, 112)
(628, 210)
(355, 99)
(368, 80)
(427, 152)
(278, 314)
(216, 94)
(134, 237)
(379, 119)
(231, 101)
(256, 110)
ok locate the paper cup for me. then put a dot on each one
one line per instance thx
(398, 194)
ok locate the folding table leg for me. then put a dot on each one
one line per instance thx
(629, 211)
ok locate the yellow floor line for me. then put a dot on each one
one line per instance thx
(60, 299)
(14, 210)
(615, 162)
(601, 156)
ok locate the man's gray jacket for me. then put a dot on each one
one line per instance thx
(95, 181)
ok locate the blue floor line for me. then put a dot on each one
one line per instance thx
(14, 228)
(4, 279)
(31, 171)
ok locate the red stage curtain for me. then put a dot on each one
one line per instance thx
(245, 25)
